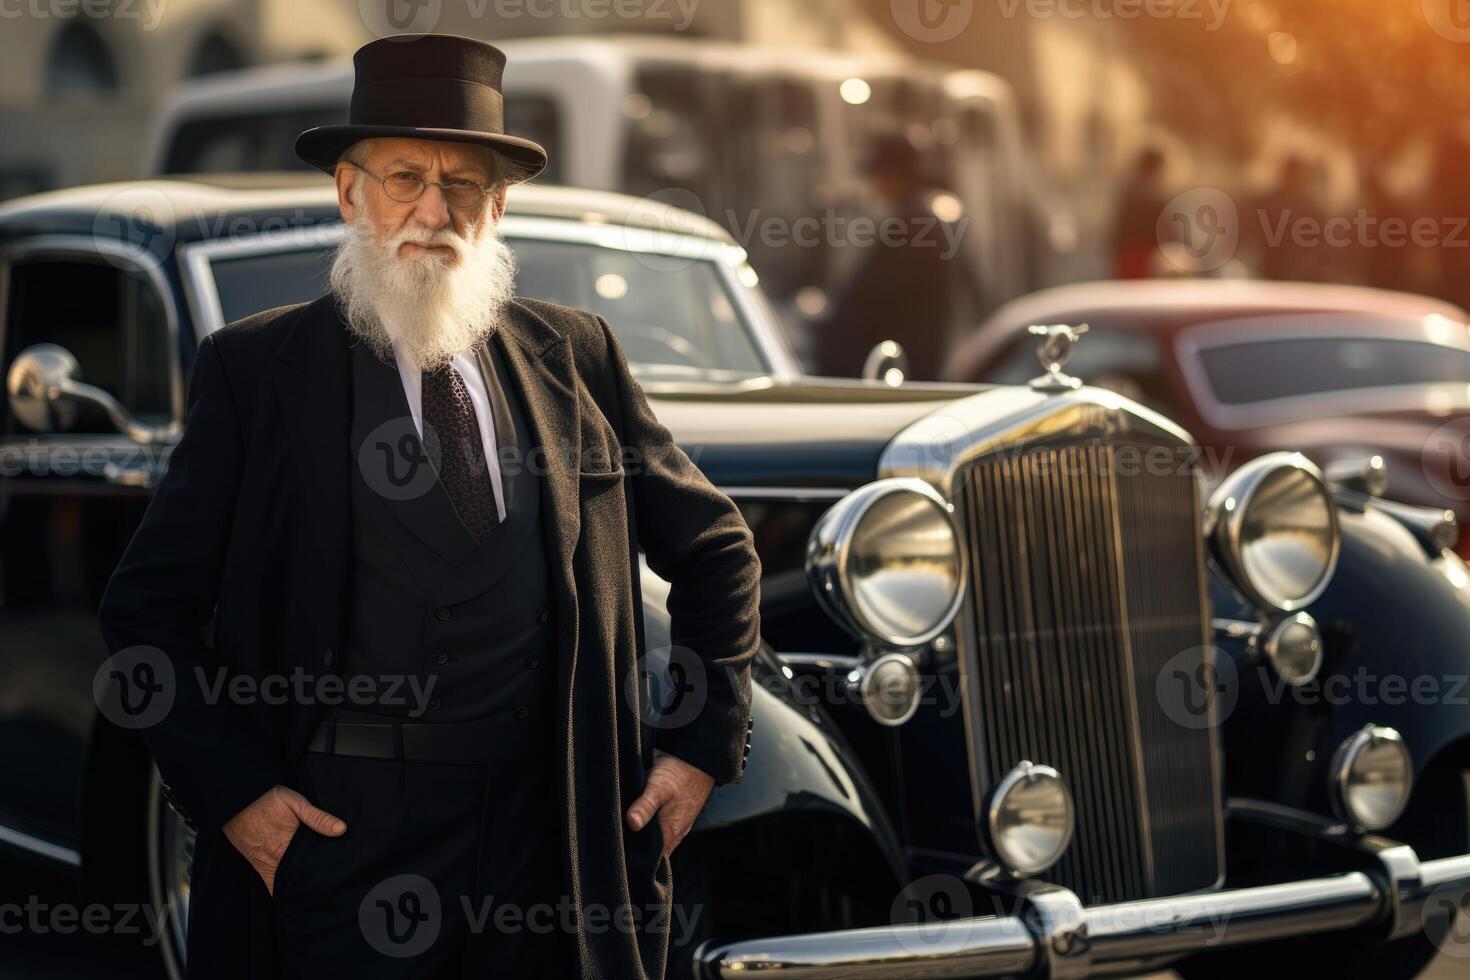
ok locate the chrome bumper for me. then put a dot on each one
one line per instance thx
(1055, 936)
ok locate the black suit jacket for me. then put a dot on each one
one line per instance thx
(240, 566)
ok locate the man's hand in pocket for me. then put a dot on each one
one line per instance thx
(262, 831)
(674, 795)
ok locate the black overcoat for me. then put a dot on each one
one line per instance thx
(241, 564)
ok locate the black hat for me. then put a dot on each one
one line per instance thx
(425, 86)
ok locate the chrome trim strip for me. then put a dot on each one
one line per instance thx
(822, 661)
(948, 950)
(1111, 936)
(1238, 629)
(784, 493)
(39, 847)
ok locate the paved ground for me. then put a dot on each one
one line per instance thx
(76, 955)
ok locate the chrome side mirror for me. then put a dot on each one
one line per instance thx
(886, 362)
(45, 393)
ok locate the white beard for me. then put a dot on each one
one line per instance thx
(425, 307)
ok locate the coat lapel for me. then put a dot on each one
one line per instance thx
(387, 447)
(540, 359)
(314, 385)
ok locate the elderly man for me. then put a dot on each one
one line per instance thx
(428, 496)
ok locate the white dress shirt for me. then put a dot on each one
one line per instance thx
(469, 370)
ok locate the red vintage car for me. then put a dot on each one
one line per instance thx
(1340, 373)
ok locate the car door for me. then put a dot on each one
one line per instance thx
(72, 491)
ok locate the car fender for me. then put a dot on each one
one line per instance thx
(1394, 622)
(799, 760)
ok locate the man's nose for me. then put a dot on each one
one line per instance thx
(431, 209)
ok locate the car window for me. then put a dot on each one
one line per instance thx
(266, 280)
(112, 321)
(241, 142)
(1240, 374)
(676, 320)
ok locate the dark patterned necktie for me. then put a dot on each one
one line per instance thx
(450, 414)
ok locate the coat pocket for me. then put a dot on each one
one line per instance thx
(284, 866)
(594, 479)
(645, 851)
(302, 785)
(597, 489)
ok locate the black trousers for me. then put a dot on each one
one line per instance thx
(447, 870)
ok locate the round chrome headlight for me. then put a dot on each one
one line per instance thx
(1294, 648)
(1372, 776)
(1273, 525)
(888, 688)
(885, 562)
(1031, 819)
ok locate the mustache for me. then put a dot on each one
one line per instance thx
(429, 236)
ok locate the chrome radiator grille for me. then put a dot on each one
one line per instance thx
(1085, 581)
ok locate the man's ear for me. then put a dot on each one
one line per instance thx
(497, 201)
(345, 204)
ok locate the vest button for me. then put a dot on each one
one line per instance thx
(434, 704)
(532, 662)
(523, 711)
(329, 657)
(442, 658)
(542, 615)
(441, 614)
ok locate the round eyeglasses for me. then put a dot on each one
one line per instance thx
(405, 187)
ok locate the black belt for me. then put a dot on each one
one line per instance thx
(486, 740)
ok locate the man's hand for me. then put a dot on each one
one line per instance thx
(675, 793)
(263, 829)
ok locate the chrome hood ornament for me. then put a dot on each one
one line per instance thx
(1055, 350)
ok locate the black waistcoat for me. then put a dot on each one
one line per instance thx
(471, 623)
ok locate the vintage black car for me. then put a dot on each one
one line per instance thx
(1034, 699)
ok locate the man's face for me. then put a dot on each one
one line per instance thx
(423, 277)
(431, 160)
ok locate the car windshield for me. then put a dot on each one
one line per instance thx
(674, 317)
(1262, 370)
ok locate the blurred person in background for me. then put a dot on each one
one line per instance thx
(908, 285)
(1287, 224)
(1136, 229)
